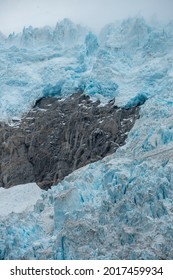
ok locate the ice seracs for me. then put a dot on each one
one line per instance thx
(127, 59)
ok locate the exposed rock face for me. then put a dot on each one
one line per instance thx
(58, 136)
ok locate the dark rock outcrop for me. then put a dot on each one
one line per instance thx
(58, 136)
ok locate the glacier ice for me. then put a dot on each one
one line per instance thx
(121, 206)
(124, 61)
(91, 44)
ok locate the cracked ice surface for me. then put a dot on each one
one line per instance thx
(126, 61)
(120, 207)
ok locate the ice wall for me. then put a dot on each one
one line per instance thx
(128, 60)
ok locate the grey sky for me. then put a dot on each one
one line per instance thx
(14, 14)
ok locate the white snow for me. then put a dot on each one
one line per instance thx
(19, 198)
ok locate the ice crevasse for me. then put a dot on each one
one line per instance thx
(121, 206)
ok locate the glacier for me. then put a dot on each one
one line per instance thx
(125, 60)
(119, 207)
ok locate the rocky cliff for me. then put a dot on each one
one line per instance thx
(59, 136)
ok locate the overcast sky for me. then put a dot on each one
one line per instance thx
(15, 14)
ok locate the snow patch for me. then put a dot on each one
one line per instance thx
(19, 198)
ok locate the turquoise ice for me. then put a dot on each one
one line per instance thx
(120, 207)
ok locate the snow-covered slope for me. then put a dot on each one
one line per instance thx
(18, 199)
(120, 207)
